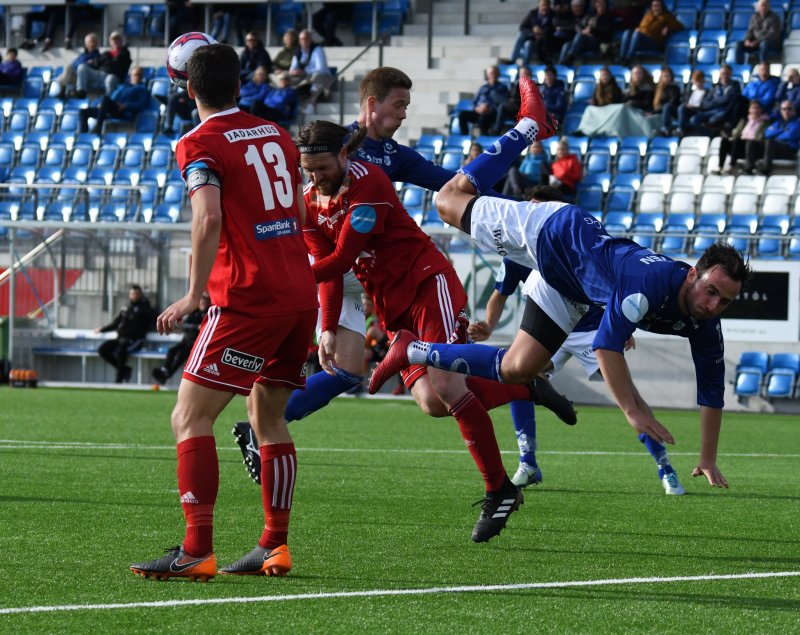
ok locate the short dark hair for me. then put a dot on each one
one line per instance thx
(727, 257)
(213, 72)
(543, 193)
(136, 287)
(335, 137)
(11, 49)
(379, 82)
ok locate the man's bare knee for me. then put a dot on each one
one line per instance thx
(517, 371)
(452, 199)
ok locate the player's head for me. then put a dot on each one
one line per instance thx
(213, 72)
(715, 281)
(384, 96)
(135, 293)
(543, 194)
(324, 147)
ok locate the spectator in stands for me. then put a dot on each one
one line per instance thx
(554, 93)
(11, 71)
(566, 26)
(283, 59)
(566, 171)
(255, 90)
(179, 105)
(666, 98)
(178, 354)
(720, 104)
(781, 140)
(226, 17)
(131, 325)
(532, 170)
(326, 19)
(762, 87)
(70, 74)
(749, 131)
(688, 108)
(309, 70)
(79, 12)
(651, 35)
(789, 89)
(181, 17)
(535, 34)
(763, 34)
(641, 91)
(124, 103)
(492, 95)
(252, 56)
(279, 104)
(107, 71)
(475, 150)
(594, 30)
(52, 16)
(607, 91)
(510, 109)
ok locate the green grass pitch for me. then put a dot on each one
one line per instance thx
(383, 503)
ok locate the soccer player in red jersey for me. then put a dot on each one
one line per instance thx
(355, 220)
(248, 250)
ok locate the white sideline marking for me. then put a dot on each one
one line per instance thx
(395, 592)
(11, 444)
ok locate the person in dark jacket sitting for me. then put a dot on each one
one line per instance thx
(554, 94)
(666, 98)
(131, 326)
(640, 90)
(252, 56)
(255, 90)
(720, 103)
(535, 34)
(125, 102)
(789, 89)
(279, 104)
(107, 71)
(11, 71)
(484, 106)
(781, 139)
(593, 30)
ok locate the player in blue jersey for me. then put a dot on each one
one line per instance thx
(579, 345)
(576, 264)
(385, 94)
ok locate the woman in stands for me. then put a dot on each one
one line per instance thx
(749, 129)
(640, 90)
(607, 91)
(690, 107)
(666, 99)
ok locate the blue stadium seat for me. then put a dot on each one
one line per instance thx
(45, 121)
(391, 19)
(134, 23)
(582, 90)
(160, 157)
(687, 16)
(620, 198)
(793, 249)
(738, 239)
(166, 213)
(156, 21)
(750, 373)
(598, 161)
(147, 121)
(706, 54)
(678, 53)
(774, 223)
(590, 198)
(18, 121)
(433, 141)
(133, 157)
(623, 219)
(740, 19)
(673, 242)
(33, 87)
(451, 159)
(56, 155)
(670, 144)
(768, 246)
(782, 374)
(29, 155)
(713, 19)
(107, 156)
(628, 161)
(703, 239)
(658, 162)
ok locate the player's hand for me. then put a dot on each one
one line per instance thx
(170, 320)
(630, 343)
(643, 422)
(712, 473)
(327, 351)
(479, 331)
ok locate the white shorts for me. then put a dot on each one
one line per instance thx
(510, 228)
(579, 346)
(564, 312)
(352, 316)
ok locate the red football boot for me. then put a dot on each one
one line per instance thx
(532, 106)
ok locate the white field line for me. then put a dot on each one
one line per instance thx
(12, 444)
(393, 592)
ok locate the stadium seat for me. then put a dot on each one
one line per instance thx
(773, 223)
(687, 17)
(768, 245)
(658, 162)
(634, 143)
(782, 374)
(745, 223)
(750, 182)
(458, 142)
(620, 199)
(598, 161)
(627, 161)
(706, 54)
(623, 220)
(678, 53)
(793, 248)
(744, 202)
(582, 90)
(783, 183)
(29, 155)
(673, 242)
(750, 373)
(704, 237)
(133, 157)
(590, 198)
(451, 160)
(740, 19)
(649, 221)
(774, 202)
(414, 201)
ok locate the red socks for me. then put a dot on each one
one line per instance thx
(478, 433)
(493, 394)
(198, 482)
(278, 470)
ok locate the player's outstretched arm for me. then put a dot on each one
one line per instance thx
(710, 425)
(618, 378)
(480, 331)
(206, 225)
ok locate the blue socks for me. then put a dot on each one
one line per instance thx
(478, 360)
(524, 418)
(490, 166)
(656, 450)
(320, 389)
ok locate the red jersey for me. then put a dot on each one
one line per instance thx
(365, 227)
(262, 267)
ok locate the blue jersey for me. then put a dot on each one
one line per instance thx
(512, 274)
(401, 163)
(637, 288)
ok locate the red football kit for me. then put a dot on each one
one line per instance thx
(365, 227)
(261, 285)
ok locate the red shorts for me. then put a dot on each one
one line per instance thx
(438, 314)
(234, 351)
